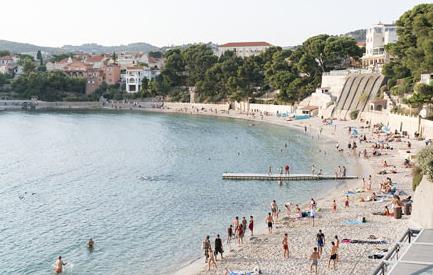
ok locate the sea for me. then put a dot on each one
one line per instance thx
(146, 187)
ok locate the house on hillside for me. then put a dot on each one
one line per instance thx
(378, 36)
(244, 49)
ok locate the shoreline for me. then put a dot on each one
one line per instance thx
(238, 258)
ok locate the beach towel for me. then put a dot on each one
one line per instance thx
(349, 193)
(363, 241)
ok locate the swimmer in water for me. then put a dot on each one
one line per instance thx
(90, 243)
(58, 266)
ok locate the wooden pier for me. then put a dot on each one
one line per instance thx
(282, 177)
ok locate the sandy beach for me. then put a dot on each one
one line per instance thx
(264, 251)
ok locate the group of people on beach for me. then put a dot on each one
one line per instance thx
(211, 254)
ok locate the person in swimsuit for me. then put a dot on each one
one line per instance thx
(251, 225)
(58, 266)
(244, 224)
(346, 202)
(334, 206)
(315, 256)
(218, 247)
(285, 246)
(274, 210)
(240, 233)
(211, 258)
(206, 247)
(333, 257)
(90, 244)
(312, 215)
(270, 221)
(337, 244)
(229, 233)
(320, 241)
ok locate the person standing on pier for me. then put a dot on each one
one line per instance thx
(270, 170)
(287, 169)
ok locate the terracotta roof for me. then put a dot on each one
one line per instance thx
(246, 44)
(7, 57)
(134, 68)
(95, 58)
(361, 44)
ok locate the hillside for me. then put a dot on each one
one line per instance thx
(358, 35)
(17, 47)
(96, 48)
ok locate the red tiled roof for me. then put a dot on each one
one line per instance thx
(7, 57)
(361, 44)
(246, 44)
(95, 58)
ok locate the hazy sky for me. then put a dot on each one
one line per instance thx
(168, 22)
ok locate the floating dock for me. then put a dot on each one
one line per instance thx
(282, 177)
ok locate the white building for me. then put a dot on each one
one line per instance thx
(244, 49)
(134, 76)
(377, 37)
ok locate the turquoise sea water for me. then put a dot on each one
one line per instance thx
(146, 187)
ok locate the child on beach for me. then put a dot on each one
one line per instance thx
(315, 256)
(346, 202)
(285, 246)
(334, 206)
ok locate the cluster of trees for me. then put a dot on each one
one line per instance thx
(294, 72)
(412, 55)
(48, 86)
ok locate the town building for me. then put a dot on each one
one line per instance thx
(134, 76)
(244, 49)
(7, 64)
(112, 74)
(76, 69)
(427, 79)
(97, 61)
(377, 37)
(94, 79)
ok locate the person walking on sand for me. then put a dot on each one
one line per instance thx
(320, 241)
(346, 201)
(269, 221)
(229, 233)
(285, 246)
(244, 224)
(312, 215)
(334, 206)
(240, 233)
(211, 258)
(206, 246)
(251, 226)
(218, 247)
(58, 266)
(333, 257)
(274, 210)
(337, 244)
(315, 256)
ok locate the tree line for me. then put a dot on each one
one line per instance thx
(294, 72)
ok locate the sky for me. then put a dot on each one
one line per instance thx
(174, 22)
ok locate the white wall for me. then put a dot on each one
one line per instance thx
(405, 123)
(258, 108)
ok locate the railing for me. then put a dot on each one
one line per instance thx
(392, 255)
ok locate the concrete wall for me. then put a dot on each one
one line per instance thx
(411, 124)
(422, 214)
(271, 109)
(335, 83)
